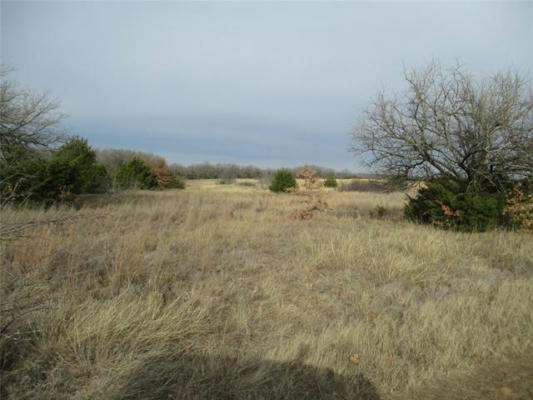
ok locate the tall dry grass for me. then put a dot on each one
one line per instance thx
(216, 292)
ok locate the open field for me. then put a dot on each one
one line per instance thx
(232, 292)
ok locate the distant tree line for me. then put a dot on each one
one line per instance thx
(113, 158)
(42, 165)
(136, 169)
(233, 171)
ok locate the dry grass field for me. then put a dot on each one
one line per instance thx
(232, 292)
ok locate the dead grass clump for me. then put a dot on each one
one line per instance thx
(379, 212)
(352, 212)
(315, 203)
(226, 181)
(501, 379)
(301, 214)
(364, 185)
(83, 347)
(247, 184)
(23, 296)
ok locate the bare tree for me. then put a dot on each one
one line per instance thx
(449, 125)
(27, 120)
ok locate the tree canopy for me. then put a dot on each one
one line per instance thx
(28, 120)
(449, 125)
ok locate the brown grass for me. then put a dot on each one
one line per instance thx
(215, 292)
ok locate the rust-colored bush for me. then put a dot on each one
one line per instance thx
(160, 169)
(519, 209)
(309, 175)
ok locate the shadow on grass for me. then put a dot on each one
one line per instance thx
(197, 377)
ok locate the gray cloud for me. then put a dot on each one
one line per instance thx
(266, 83)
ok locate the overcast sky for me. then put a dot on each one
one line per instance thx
(270, 84)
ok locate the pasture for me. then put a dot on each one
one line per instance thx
(233, 292)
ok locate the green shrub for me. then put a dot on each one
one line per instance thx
(282, 181)
(135, 174)
(330, 182)
(452, 205)
(37, 180)
(89, 176)
(175, 183)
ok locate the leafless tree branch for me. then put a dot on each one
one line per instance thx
(27, 119)
(447, 124)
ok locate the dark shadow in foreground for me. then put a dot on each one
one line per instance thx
(194, 377)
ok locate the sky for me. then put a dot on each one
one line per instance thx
(265, 83)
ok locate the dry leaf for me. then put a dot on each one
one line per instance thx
(355, 358)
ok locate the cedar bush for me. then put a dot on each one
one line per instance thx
(175, 182)
(37, 182)
(282, 181)
(452, 205)
(89, 176)
(136, 174)
(43, 181)
(330, 182)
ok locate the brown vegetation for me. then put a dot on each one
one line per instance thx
(309, 176)
(519, 209)
(366, 185)
(213, 292)
(161, 171)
